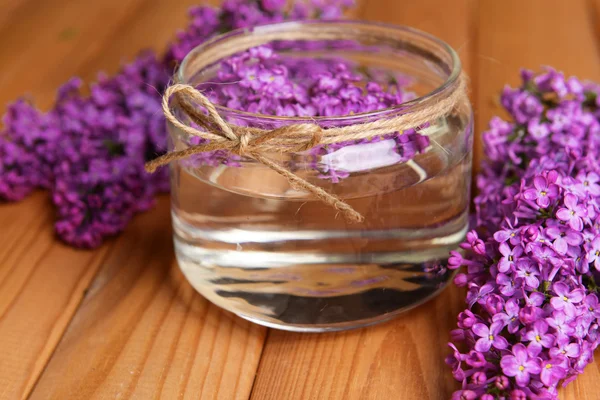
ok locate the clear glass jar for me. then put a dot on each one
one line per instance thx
(254, 245)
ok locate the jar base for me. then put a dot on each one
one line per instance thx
(318, 296)
(338, 327)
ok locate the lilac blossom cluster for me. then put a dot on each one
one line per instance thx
(263, 81)
(532, 264)
(89, 150)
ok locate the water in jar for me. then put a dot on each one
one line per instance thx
(254, 245)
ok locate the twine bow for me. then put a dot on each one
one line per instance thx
(255, 142)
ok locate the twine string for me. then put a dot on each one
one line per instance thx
(255, 143)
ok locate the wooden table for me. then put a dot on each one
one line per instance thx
(120, 322)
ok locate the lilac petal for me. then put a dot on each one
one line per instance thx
(501, 236)
(520, 352)
(557, 303)
(546, 376)
(570, 200)
(533, 366)
(532, 281)
(534, 348)
(560, 246)
(539, 182)
(540, 326)
(517, 251)
(543, 201)
(552, 191)
(563, 214)
(536, 299)
(553, 232)
(574, 238)
(481, 330)
(570, 309)
(530, 194)
(504, 249)
(514, 325)
(572, 350)
(500, 342)
(522, 378)
(577, 295)
(547, 341)
(581, 211)
(560, 288)
(509, 365)
(529, 335)
(512, 307)
(502, 318)
(483, 345)
(504, 265)
(495, 328)
(576, 223)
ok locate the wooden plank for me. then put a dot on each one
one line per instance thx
(143, 332)
(530, 34)
(515, 34)
(42, 281)
(38, 293)
(402, 359)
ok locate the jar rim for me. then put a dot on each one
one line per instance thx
(403, 108)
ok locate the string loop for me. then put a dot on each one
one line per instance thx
(256, 143)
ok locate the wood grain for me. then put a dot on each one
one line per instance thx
(515, 34)
(119, 322)
(402, 359)
(42, 282)
(388, 361)
(530, 34)
(142, 332)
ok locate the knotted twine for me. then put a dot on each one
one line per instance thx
(256, 143)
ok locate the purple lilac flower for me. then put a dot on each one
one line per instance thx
(489, 336)
(563, 238)
(520, 365)
(506, 284)
(565, 348)
(262, 80)
(517, 394)
(509, 256)
(561, 324)
(89, 151)
(593, 305)
(464, 395)
(545, 190)
(538, 337)
(566, 299)
(593, 254)
(573, 213)
(510, 318)
(553, 370)
(528, 271)
(535, 251)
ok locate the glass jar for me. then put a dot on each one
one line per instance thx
(255, 245)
